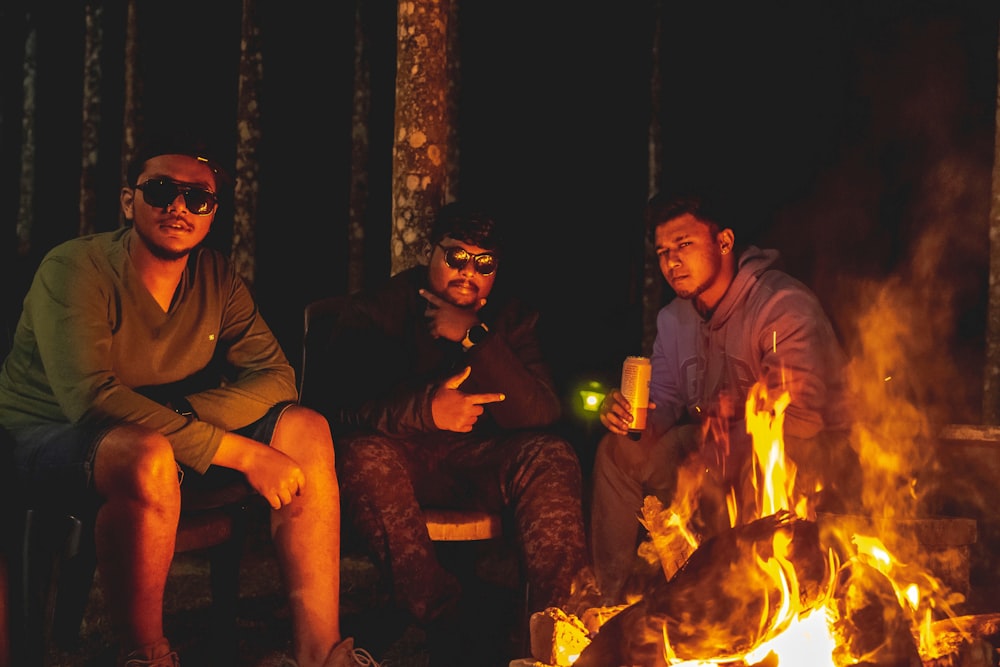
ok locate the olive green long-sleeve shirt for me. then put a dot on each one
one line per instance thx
(92, 347)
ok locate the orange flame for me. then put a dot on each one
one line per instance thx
(797, 636)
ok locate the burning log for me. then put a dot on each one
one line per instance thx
(556, 637)
(734, 593)
(870, 626)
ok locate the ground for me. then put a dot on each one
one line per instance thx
(264, 625)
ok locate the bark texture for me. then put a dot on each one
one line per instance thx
(91, 122)
(245, 193)
(360, 117)
(132, 113)
(991, 381)
(421, 127)
(652, 280)
(25, 209)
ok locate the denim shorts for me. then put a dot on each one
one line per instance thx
(55, 462)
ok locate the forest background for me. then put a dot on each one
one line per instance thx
(858, 138)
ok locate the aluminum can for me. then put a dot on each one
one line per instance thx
(636, 372)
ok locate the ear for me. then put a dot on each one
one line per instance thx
(127, 198)
(726, 239)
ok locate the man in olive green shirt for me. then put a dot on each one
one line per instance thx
(140, 354)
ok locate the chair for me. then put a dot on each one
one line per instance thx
(53, 563)
(444, 525)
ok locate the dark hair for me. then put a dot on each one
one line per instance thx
(178, 142)
(467, 223)
(703, 204)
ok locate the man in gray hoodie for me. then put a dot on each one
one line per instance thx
(737, 321)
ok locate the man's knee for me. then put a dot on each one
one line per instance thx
(552, 450)
(137, 461)
(135, 451)
(302, 431)
(620, 453)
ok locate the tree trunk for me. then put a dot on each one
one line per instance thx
(131, 113)
(91, 121)
(420, 148)
(26, 210)
(652, 283)
(991, 384)
(244, 246)
(360, 118)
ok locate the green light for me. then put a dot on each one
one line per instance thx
(591, 400)
(592, 396)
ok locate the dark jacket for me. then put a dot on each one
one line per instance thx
(379, 367)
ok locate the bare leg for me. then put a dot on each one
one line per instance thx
(136, 474)
(306, 536)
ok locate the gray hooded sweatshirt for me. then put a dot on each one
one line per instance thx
(769, 327)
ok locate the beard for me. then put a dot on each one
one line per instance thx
(159, 251)
(692, 293)
(461, 298)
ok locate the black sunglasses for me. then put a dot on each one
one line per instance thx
(457, 257)
(160, 193)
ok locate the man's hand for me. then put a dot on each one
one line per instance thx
(616, 412)
(271, 473)
(445, 320)
(455, 410)
(276, 477)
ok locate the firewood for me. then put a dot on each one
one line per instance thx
(869, 625)
(557, 638)
(720, 604)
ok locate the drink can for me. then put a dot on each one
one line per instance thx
(636, 372)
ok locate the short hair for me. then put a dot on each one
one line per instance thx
(175, 142)
(467, 223)
(703, 204)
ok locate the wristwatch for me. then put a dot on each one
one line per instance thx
(474, 336)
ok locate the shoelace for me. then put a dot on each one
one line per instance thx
(365, 659)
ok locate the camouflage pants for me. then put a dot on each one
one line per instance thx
(534, 478)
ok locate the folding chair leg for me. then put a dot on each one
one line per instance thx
(51, 547)
(224, 579)
(75, 580)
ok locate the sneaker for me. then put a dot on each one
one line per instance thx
(345, 654)
(168, 660)
(141, 657)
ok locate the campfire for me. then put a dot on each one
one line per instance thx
(784, 586)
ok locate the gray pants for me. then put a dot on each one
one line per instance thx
(625, 472)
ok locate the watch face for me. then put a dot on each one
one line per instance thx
(477, 333)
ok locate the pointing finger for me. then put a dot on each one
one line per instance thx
(480, 399)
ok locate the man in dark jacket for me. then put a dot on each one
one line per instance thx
(439, 395)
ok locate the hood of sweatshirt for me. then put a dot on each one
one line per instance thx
(752, 263)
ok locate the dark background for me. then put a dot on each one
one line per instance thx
(857, 138)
